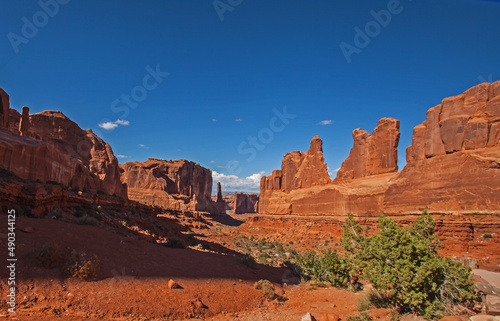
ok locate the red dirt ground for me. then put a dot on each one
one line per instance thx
(134, 272)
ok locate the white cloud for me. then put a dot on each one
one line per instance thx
(240, 184)
(113, 124)
(212, 162)
(333, 173)
(326, 122)
(122, 122)
(239, 119)
(122, 156)
(213, 119)
(108, 125)
(143, 146)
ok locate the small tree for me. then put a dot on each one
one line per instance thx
(327, 267)
(403, 264)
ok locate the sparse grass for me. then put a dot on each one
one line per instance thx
(264, 252)
(50, 255)
(266, 287)
(86, 220)
(79, 212)
(248, 260)
(82, 266)
(361, 317)
(55, 213)
(372, 299)
(175, 243)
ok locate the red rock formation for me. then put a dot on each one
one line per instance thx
(373, 154)
(58, 150)
(4, 109)
(24, 124)
(178, 184)
(465, 122)
(220, 203)
(245, 203)
(228, 199)
(14, 120)
(453, 166)
(299, 170)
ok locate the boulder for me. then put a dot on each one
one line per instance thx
(482, 317)
(492, 304)
(173, 285)
(308, 317)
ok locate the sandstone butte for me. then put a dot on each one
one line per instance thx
(53, 148)
(50, 148)
(174, 184)
(244, 203)
(453, 166)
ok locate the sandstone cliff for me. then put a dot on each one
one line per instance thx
(373, 154)
(453, 166)
(55, 149)
(245, 203)
(299, 170)
(177, 184)
(453, 163)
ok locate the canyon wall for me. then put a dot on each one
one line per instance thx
(372, 154)
(174, 184)
(453, 166)
(245, 203)
(53, 148)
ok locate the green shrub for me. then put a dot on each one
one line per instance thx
(372, 299)
(403, 264)
(49, 255)
(56, 213)
(327, 267)
(487, 236)
(362, 317)
(266, 287)
(82, 266)
(175, 243)
(248, 260)
(79, 212)
(86, 220)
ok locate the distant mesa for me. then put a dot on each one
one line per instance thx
(453, 166)
(48, 147)
(244, 203)
(175, 184)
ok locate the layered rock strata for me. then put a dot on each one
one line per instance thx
(174, 184)
(453, 166)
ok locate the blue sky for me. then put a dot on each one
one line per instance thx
(200, 87)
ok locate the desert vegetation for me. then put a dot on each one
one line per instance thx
(401, 264)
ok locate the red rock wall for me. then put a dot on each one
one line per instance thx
(4, 109)
(453, 166)
(299, 170)
(177, 184)
(245, 203)
(468, 121)
(57, 149)
(373, 154)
